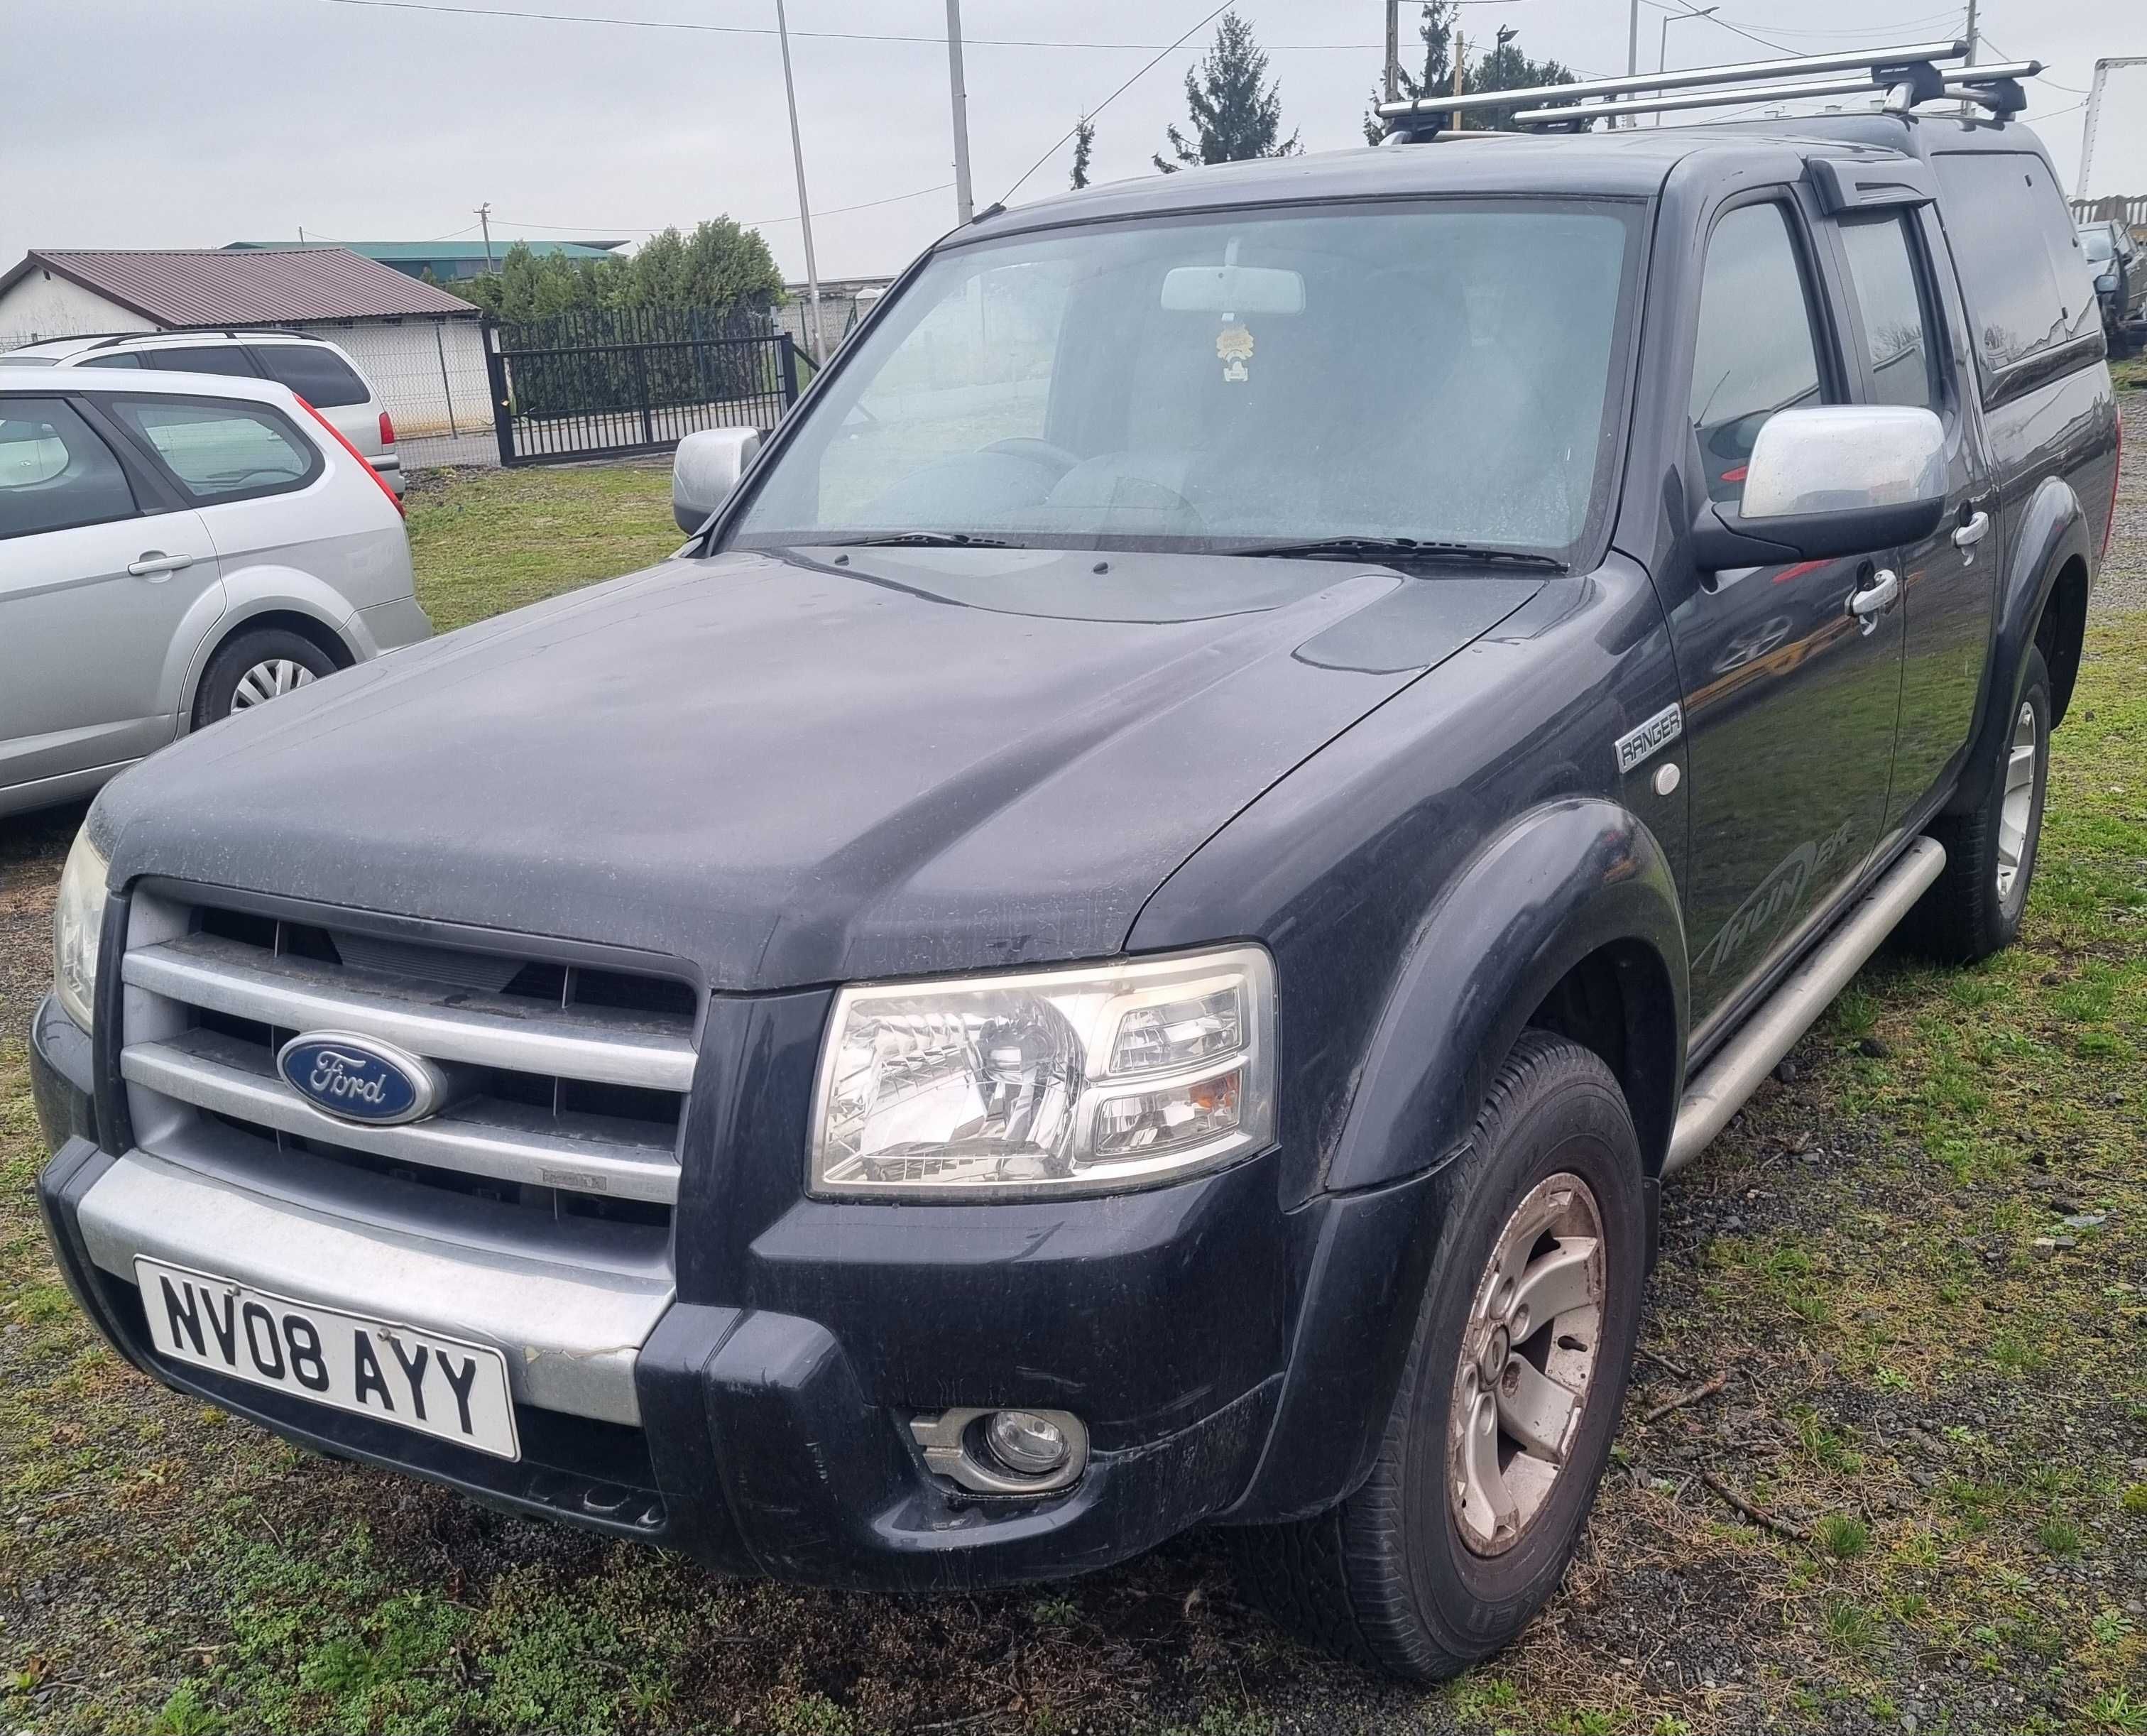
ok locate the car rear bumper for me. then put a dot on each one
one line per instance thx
(775, 1439)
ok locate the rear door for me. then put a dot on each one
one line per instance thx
(105, 591)
(1902, 338)
(1791, 698)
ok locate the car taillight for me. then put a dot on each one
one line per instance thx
(387, 430)
(363, 463)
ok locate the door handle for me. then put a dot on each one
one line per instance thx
(1874, 598)
(1972, 532)
(155, 563)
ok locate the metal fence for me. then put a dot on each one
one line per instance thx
(2130, 209)
(606, 382)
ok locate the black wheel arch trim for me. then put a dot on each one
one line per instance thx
(2052, 534)
(1562, 882)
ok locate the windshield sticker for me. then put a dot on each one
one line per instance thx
(1234, 348)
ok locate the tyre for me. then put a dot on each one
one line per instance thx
(1502, 1426)
(1974, 908)
(256, 668)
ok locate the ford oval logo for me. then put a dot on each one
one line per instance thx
(361, 1078)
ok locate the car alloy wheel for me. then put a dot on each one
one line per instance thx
(269, 679)
(1527, 1358)
(2018, 806)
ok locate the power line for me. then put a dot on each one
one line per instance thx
(832, 36)
(1090, 114)
(1717, 19)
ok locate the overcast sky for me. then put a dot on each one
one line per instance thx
(131, 123)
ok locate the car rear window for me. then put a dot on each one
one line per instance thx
(55, 472)
(316, 374)
(2027, 286)
(200, 359)
(2099, 245)
(219, 450)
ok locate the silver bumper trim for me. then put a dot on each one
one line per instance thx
(572, 1336)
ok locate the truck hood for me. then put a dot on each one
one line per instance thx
(808, 766)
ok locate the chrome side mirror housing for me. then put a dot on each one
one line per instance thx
(1828, 481)
(706, 469)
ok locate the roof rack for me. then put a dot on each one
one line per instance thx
(1908, 74)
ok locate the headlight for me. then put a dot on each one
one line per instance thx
(77, 921)
(1079, 1081)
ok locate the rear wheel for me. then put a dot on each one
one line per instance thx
(1503, 1424)
(255, 667)
(1973, 908)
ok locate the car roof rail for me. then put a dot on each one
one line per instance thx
(1908, 74)
(106, 340)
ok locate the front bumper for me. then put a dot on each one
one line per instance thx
(1230, 1358)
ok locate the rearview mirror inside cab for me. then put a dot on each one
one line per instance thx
(707, 466)
(1828, 481)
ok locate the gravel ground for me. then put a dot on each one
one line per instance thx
(2121, 587)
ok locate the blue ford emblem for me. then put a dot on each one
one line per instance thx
(360, 1078)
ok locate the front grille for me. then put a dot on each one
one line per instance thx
(570, 1077)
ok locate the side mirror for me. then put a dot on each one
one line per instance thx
(707, 466)
(2106, 284)
(1833, 480)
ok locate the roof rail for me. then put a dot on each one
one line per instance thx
(1907, 74)
(105, 341)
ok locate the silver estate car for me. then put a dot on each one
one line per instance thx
(318, 371)
(174, 547)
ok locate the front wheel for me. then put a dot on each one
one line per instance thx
(1503, 1424)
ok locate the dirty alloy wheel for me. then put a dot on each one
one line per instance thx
(255, 667)
(1499, 1435)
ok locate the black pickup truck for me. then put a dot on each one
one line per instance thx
(1125, 937)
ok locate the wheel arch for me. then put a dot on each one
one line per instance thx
(1566, 920)
(2043, 602)
(289, 614)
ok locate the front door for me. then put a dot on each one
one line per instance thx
(1791, 697)
(94, 595)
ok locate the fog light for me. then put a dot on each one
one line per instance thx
(1027, 1444)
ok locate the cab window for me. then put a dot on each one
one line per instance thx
(1756, 352)
(1898, 333)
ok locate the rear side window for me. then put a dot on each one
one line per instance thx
(1897, 327)
(114, 358)
(201, 358)
(317, 375)
(55, 472)
(219, 450)
(2021, 268)
(1755, 352)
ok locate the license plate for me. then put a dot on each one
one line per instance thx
(418, 1380)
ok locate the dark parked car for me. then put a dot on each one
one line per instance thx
(2120, 282)
(1125, 937)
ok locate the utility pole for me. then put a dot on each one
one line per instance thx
(1460, 59)
(2094, 113)
(1394, 50)
(484, 217)
(1663, 53)
(964, 204)
(1967, 108)
(1632, 53)
(804, 206)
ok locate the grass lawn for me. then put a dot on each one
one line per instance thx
(485, 542)
(1918, 1265)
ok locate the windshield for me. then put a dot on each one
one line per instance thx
(2099, 245)
(1437, 372)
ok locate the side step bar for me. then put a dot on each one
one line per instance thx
(1768, 1034)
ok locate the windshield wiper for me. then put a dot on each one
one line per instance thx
(1397, 551)
(917, 539)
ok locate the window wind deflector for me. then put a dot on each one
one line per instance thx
(913, 539)
(1400, 551)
